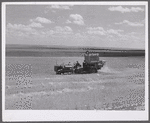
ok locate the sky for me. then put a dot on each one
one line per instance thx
(117, 26)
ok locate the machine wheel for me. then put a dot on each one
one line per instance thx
(76, 71)
(94, 70)
(62, 73)
(69, 73)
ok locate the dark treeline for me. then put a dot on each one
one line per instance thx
(41, 51)
(65, 53)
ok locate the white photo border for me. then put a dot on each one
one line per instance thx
(73, 115)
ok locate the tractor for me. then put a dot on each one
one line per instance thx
(91, 64)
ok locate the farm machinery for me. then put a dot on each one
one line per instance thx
(91, 64)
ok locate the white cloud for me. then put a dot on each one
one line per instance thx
(57, 7)
(21, 30)
(133, 33)
(133, 36)
(101, 31)
(130, 40)
(22, 27)
(96, 30)
(67, 28)
(116, 32)
(60, 6)
(63, 30)
(47, 33)
(68, 21)
(57, 31)
(26, 29)
(29, 30)
(41, 20)
(131, 23)
(76, 19)
(125, 9)
(136, 9)
(34, 24)
(19, 27)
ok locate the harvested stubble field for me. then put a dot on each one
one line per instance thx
(118, 86)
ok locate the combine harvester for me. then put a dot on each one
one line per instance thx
(91, 64)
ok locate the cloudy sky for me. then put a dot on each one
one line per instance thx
(119, 26)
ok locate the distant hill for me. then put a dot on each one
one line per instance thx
(48, 51)
(65, 47)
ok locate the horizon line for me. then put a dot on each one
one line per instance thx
(65, 46)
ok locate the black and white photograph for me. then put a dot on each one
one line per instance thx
(74, 61)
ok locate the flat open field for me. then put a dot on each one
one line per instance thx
(31, 83)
